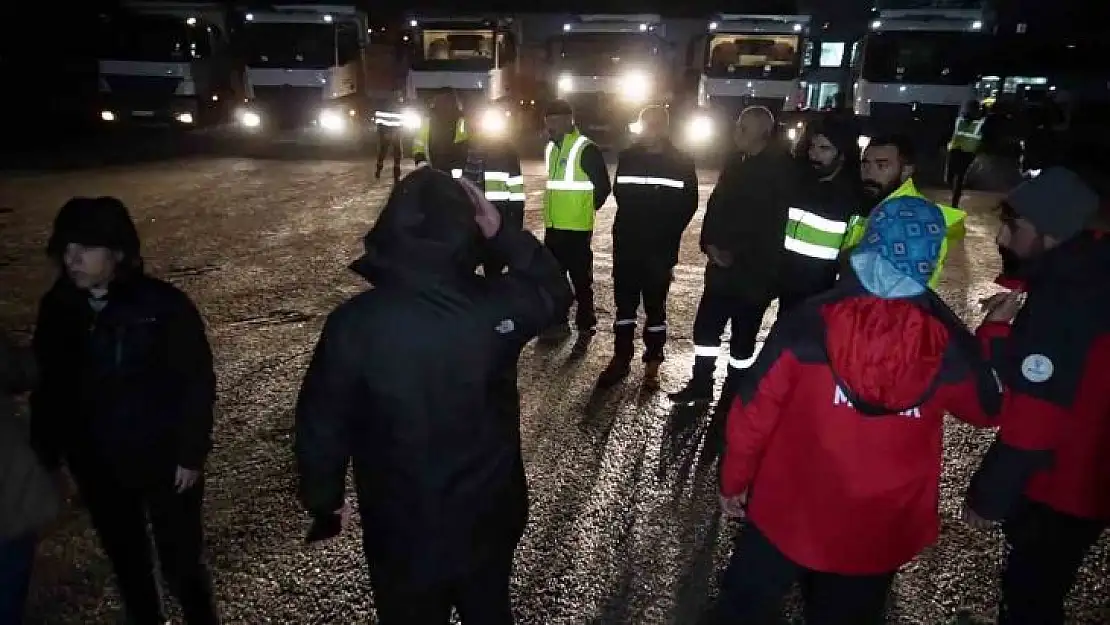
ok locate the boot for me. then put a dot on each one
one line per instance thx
(651, 375)
(700, 387)
(621, 363)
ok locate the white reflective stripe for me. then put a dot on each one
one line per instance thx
(625, 322)
(517, 197)
(651, 181)
(515, 181)
(707, 350)
(658, 328)
(562, 185)
(497, 176)
(547, 155)
(572, 158)
(498, 196)
(816, 221)
(456, 173)
(387, 122)
(388, 114)
(746, 363)
(809, 249)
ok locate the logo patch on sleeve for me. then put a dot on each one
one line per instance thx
(506, 326)
(1037, 368)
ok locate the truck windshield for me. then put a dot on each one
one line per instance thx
(457, 49)
(162, 38)
(921, 58)
(605, 53)
(775, 57)
(292, 45)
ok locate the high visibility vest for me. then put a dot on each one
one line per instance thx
(568, 201)
(814, 236)
(954, 220)
(968, 135)
(420, 141)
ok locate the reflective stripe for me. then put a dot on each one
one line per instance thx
(497, 176)
(498, 196)
(572, 159)
(515, 181)
(456, 173)
(572, 185)
(737, 363)
(385, 118)
(651, 181)
(658, 328)
(707, 350)
(812, 235)
(517, 197)
(811, 249)
(624, 322)
(816, 221)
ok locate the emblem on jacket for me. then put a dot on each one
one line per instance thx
(506, 326)
(1037, 368)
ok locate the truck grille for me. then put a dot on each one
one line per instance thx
(286, 106)
(731, 106)
(143, 92)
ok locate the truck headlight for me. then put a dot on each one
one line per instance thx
(249, 119)
(635, 87)
(565, 84)
(863, 142)
(332, 121)
(411, 120)
(108, 116)
(699, 130)
(636, 127)
(185, 118)
(494, 122)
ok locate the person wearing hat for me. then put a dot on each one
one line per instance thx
(577, 187)
(125, 403)
(1046, 477)
(414, 383)
(834, 442)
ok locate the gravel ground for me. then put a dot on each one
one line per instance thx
(624, 525)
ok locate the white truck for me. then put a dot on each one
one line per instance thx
(164, 63)
(305, 70)
(609, 67)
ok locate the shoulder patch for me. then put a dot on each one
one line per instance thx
(505, 326)
(1037, 368)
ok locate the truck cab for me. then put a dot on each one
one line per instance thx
(304, 70)
(609, 67)
(163, 63)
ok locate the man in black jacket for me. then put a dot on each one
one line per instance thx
(743, 237)
(125, 401)
(657, 195)
(412, 380)
(494, 166)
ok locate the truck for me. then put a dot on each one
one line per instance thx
(609, 67)
(164, 63)
(747, 60)
(473, 55)
(305, 70)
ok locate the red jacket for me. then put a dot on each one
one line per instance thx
(1053, 443)
(837, 430)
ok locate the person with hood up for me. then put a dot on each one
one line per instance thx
(414, 381)
(29, 500)
(829, 194)
(1047, 475)
(440, 140)
(834, 443)
(125, 401)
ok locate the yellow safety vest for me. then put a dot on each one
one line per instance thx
(420, 141)
(954, 220)
(967, 135)
(568, 202)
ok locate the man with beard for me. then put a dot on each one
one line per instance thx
(887, 171)
(440, 140)
(410, 384)
(829, 195)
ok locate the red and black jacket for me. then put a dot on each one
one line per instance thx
(837, 430)
(1053, 443)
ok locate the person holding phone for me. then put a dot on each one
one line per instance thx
(413, 383)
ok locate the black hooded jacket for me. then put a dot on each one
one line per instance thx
(414, 381)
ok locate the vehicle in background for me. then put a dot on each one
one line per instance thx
(305, 70)
(164, 63)
(609, 67)
(474, 56)
(915, 69)
(746, 60)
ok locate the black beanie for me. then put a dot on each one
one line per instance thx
(97, 222)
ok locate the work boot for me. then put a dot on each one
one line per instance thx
(621, 363)
(556, 333)
(700, 387)
(651, 375)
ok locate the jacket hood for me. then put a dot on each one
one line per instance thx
(886, 355)
(99, 222)
(426, 232)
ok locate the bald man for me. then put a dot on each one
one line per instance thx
(657, 194)
(742, 235)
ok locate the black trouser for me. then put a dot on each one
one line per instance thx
(121, 515)
(389, 140)
(481, 598)
(636, 280)
(512, 216)
(717, 308)
(759, 577)
(1046, 549)
(959, 162)
(572, 249)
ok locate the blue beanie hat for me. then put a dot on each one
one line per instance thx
(900, 247)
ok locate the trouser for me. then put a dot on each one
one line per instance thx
(636, 281)
(121, 515)
(717, 308)
(512, 216)
(572, 249)
(759, 577)
(16, 558)
(388, 141)
(959, 162)
(481, 597)
(1046, 549)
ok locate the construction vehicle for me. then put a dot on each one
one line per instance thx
(305, 70)
(609, 67)
(164, 63)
